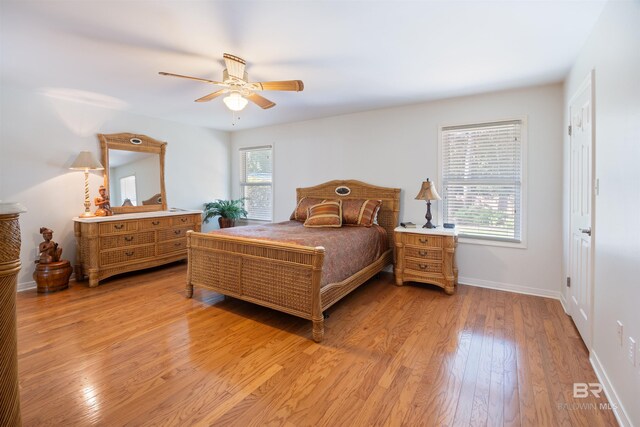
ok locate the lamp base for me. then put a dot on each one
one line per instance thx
(86, 215)
(429, 225)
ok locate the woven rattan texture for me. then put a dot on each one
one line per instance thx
(246, 248)
(9, 267)
(133, 239)
(172, 246)
(118, 256)
(217, 271)
(9, 239)
(424, 253)
(283, 285)
(423, 266)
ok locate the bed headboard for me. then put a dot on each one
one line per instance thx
(388, 215)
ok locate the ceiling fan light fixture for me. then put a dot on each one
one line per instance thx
(235, 101)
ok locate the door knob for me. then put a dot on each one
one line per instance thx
(586, 230)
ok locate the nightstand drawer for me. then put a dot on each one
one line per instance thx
(423, 266)
(433, 254)
(422, 240)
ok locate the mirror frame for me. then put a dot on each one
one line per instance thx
(122, 141)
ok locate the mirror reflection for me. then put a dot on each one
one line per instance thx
(134, 178)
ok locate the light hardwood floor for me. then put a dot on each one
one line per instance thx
(135, 351)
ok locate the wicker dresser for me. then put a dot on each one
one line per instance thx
(128, 242)
(427, 256)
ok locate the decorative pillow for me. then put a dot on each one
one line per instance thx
(325, 214)
(300, 212)
(360, 212)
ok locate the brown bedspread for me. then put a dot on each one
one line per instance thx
(347, 249)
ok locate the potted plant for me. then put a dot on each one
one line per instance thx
(227, 210)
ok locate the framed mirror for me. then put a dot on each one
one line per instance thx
(134, 172)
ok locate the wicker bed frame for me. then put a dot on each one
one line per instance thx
(284, 276)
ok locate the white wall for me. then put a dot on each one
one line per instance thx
(398, 147)
(613, 51)
(40, 137)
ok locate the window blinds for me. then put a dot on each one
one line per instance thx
(482, 179)
(256, 174)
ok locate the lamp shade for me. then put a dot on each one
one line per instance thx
(86, 161)
(428, 191)
(235, 101)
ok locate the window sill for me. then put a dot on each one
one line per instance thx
(497, 243)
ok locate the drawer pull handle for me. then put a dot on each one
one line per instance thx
(155, 222)
(177, 244)
(128, 238)
(422, 253)
(176, 232)
(422, 266)
(118, 226)
(129, 253)
(423, 240)
(183, 219)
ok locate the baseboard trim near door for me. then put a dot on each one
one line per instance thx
(609, 391)
(508, 287)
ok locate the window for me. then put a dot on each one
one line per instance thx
(256, 181)
(482, 169)
(128, 190)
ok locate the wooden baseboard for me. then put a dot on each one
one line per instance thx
(508, 287)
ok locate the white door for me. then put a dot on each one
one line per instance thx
(581, 209)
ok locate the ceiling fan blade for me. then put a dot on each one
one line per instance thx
(211, 96)
(235, 66)
(260, 101)
(162, 73)
(291, 85)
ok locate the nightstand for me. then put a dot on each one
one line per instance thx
(426, 255)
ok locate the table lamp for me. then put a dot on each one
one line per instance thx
(428, 192)
(86, 162)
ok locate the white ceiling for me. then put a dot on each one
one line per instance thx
(352, 55)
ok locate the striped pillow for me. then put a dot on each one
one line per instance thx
(325, 214)
(360, 212)
(300, 212)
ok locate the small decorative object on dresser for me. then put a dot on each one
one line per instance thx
(102, 202)
(52, 273)
(227, 211)
(427, 256)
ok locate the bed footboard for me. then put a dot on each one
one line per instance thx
(281, 276)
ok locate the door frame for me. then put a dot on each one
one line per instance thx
(589, 79)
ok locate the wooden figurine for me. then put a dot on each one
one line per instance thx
(52, 273)
(102, 202)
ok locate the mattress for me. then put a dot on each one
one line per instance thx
(347, 249)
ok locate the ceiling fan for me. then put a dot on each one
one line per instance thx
(240, 90)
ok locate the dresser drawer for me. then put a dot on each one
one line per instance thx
(422, 240)
(117, 227)
(118, 256)
(419, 266)
(184, 220)
(173, 233)
(427, 253)
(154, 223)
(130, 239)
(172, 246)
